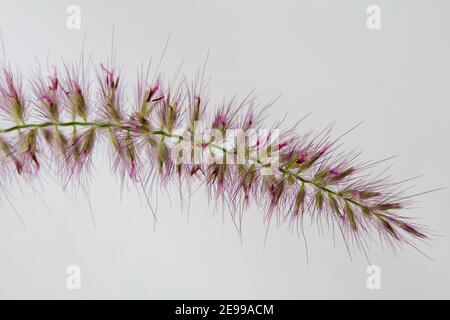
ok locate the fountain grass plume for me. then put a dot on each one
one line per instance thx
(60, 119)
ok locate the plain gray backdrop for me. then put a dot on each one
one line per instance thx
(322, 58)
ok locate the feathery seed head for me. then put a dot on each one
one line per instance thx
(293, 176)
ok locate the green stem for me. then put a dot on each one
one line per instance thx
(110, 125)
(65, 124)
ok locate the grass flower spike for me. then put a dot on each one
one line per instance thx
(172, 134)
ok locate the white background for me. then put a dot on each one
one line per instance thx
(321, 57)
